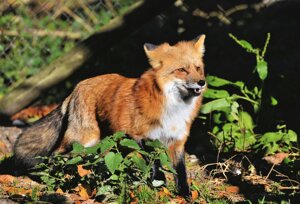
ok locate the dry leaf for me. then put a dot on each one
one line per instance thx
(166, 191)
(76, 198)
(232, 189)
(89, 201)
(195, 195)
(7, 179)
(59, 191)
(83, 192)
(276, 158)
(133, 198)
(34, 111)
(179, 200)
(17, 190)
(83, 172)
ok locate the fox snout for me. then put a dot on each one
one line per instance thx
(195, 88)
(201, 83)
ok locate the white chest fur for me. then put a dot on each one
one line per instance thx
(175, 116)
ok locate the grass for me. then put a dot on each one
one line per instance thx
(32, 39)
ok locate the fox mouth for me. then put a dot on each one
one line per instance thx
(187, 92)
(194, 91)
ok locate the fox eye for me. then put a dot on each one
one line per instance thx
(181, 69)
(198, 68)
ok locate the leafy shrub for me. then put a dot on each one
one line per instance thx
(233, 127)
(114, 167)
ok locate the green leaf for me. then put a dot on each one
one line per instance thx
(246, 45)
(77, 148)
(154, 143)
(112, 161)
(118, 135)
(230, 128)
(140, 163)
(104, 190)
(274, 101)
(75, 160)
(1, 48)
(292, 136)
(164, 160)
(114, 177)
(216, 81)
(130, 144)
(106, 144)
(245, 120)
(262, 69)
(239, 84)
(244, 142)
(214, 105)
(143, 153)
(212, 93)
(92, 150)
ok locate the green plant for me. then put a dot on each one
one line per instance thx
(114, 167)
(31, 41)
(233, 127)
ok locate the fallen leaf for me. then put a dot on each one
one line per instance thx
(59, 191)
(83, 192)
(232, 189)
(276, 158)
(166, 191)
(17, 190)
(178, 200)
(195, 195)
(133, 198)
(83, 172)
(7, 179)
(33, 112)
(89, 201)
(76, 198)
(131, 194)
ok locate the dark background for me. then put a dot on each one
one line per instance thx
(223, 57)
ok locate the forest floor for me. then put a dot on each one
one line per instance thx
(224, 181)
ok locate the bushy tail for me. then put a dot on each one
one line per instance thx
(40, 139)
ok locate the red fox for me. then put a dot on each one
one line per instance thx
(161, 104)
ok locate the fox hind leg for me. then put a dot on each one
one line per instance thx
(83, 126)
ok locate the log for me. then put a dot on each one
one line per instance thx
(108, 36)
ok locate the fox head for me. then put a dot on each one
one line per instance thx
(179, 69)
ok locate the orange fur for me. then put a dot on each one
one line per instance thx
(161, 104)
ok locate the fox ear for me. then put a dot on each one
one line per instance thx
(150, 52)
(199, 44)
(149, 47)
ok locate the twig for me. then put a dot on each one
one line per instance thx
(287, 178)
(89, 12)
(41, 33)
(270, 171)
(78, 19)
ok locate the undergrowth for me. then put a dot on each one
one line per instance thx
(234, 108)
(111, 170)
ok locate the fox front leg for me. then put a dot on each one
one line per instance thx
(176, 152)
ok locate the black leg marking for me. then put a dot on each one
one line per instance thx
(181, 178)
(157, 174)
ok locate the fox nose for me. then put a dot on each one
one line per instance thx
(201, 83)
